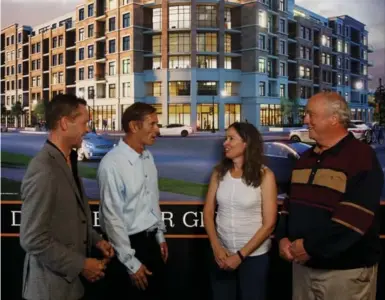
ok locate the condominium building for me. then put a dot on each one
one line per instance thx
(198, 63)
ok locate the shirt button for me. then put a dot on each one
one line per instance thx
(318, 161)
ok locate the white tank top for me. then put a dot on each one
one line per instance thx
(239, 214)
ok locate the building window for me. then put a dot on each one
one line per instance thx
(157, 19)
(262, 65)
(126, 66)
(111, 90)
(179, 62)
(81, 34)
(179, 114)
(207, 88)
(126, 43)
(179, 17)
(270, 115)
(81, 53)
(90, 51)
(206, 16)
(301, 71)
(282, 25)
(227, 18)
(111, 46)
(61, 77)
(90, 72)
(81, 73)
(126, 20)
(282, 69)
(262, 88)
(54, 42)
(339, 79)
(90, 10)
(262, 19)
(228, 64)
(81, 14)
(126, 86)
(282, 90)
(232, 114)
(207, 42)
(282, 47)
(262, 42)
(60, 59)
(61, 40)
(156, 89)
(179, 42)
(206, 62)
(346, 47)
(228, 43)
(90, 30)
(156, 44)
(111, 68)
(111, 24)
(179, 88)
(282, 6)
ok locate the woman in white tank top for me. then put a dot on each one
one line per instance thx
(246, 195)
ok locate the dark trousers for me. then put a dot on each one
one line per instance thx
(118, 280)
(248, 282)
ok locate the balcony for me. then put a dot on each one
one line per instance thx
(370, 48)
(370, 63)
(370, 77)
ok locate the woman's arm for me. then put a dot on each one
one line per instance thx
(269, 213)
(209, 210)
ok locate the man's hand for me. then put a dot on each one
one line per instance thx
(140, 277)
(164, 251)
(232, 262)
(298, 252)
(284, 249)
(106, 248)
(93, 269)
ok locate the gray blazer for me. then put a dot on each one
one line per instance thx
(56, 229)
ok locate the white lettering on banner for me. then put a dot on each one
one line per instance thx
(95, 222)
(168, 215)
(197, 220)
(15, 218)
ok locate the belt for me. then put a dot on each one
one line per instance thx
(145, 233)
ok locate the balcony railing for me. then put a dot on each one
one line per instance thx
(370, 48)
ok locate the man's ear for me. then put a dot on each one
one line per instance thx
(63, 123)
(134, 126)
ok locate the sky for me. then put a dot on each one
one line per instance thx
(369, 12)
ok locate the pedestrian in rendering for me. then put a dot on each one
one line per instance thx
(329, 224)
(130, 213)
(246, 195)
(56, 230)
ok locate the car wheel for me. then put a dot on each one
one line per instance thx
(295, 138)
(184, 133)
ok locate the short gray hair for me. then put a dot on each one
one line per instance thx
(338, 106)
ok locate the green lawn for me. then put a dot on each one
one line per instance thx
(14, 160)
(10, 189)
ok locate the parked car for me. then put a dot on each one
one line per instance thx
(4, 128)
(360, 124)
(281, 157)
(94, 146)
(302, 135)
(175, 129)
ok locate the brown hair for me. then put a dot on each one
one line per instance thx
(136, 112)
(253, 156)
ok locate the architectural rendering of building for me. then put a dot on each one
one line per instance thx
(199, 63)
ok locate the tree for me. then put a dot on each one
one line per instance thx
(17, 111)
(39, 110)
(289, 110)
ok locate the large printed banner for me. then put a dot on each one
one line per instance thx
(182, 219)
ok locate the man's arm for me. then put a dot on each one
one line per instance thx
(353, 216)
(111, 215)
(39, 194)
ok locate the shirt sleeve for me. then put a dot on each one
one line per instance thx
(353, 216)
(111, 215)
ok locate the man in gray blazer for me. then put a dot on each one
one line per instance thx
(56, 229)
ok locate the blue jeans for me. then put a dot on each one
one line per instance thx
(248, 282)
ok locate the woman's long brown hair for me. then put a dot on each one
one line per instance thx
(253, 156)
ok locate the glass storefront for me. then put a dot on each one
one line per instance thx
(205, 116)
(270, 115)
(105, 117)
(232, 114)
(179, 114)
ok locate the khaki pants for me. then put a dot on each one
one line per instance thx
(315, 284)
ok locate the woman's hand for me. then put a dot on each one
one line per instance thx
(221, 255)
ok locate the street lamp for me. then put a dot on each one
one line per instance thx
(91, 95)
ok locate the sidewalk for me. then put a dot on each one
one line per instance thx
(91, 186)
